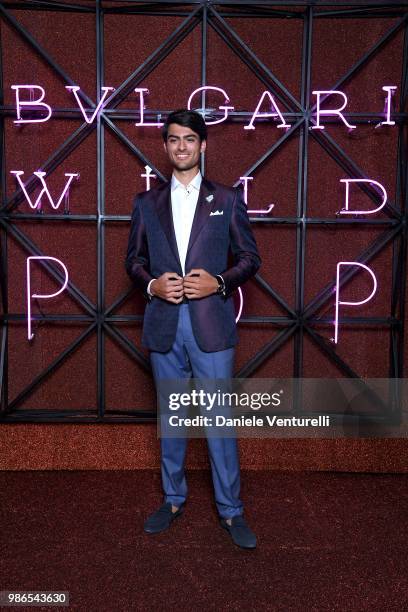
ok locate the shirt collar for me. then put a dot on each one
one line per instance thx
(196, 182)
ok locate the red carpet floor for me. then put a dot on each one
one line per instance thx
(326, 541)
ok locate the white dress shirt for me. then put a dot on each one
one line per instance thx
(183, 205)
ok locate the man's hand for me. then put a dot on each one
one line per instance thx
(169, 286)
(198, 283)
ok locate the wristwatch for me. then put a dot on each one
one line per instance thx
(221, 284)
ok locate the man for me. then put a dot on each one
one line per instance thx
(180, 238)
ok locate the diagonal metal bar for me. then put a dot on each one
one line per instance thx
(74, 140)
(348, 165)
(266, 351)
(372, 250)
(52, 367)
(259, 75)
(57, 157)
(241, 46)
(160, 53)
(119, 300)
(322, 343)
(272, 149)
(54, 272)
(127, 345)
(276, 296)
(367, 56)
(42, 52)
(133, 148)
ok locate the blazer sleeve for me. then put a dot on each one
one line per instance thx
(137, 257)
(243, 247)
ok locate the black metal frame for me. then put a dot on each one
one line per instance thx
(99, 317)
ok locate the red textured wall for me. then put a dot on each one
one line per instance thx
(128, 40)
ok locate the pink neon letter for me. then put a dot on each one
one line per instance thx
(390, 89)
(224, 108)
(74, 90)
(141, 91)
(346, 211)
(37, 295)
(338, 301)
(44, 190)
(148, 176)
(241, 305)
(256, 114)
(245, 180)
(33, 103)
(333, 111)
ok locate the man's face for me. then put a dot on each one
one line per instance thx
(183, 147)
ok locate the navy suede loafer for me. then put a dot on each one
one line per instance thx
(161, 519)
(240, 532)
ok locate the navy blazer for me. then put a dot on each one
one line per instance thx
(152, 250)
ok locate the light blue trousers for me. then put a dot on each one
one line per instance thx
(187, 360)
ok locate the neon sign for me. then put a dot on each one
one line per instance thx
(41, 296)
(273, 113)
(75, 90)
(44, 191)
(330, 112)
(224, 108)
(244, 180)
(141, 91)
(346, 211)
(27, 103)
(241, 305)
(390, 89)
(30, 111)
(148, 175)
(277, 113)
(346, 303)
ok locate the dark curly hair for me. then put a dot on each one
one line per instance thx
(186, 118)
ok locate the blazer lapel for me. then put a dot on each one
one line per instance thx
(203, 209)
(163, 208)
